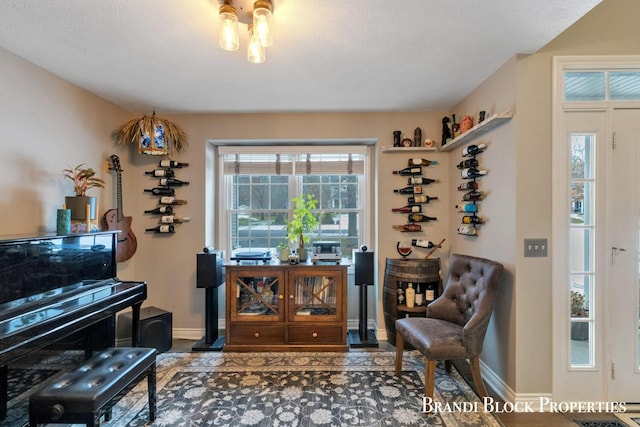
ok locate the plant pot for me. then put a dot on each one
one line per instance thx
(302, 254)
(78, 207)
(283, 254)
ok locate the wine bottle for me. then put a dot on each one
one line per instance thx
(416, 170)
(423, 243)
(166, 163)
(170, 219)
(431, 292)
(417, 180)
(164, 228)
(473, 195)
(410, 294)
(419, 294)
(469, 185)
(472, 219)
(170, 200)
(168, 173)
(408, 209)
(172, 182)
(467, 207)
(469, 163)
(408, 227)
(409, 190)
(472, 150)
(470, 173)
(421, 218)
(467, 230)
(161, 191)
(161, 210)
(420, 199)
(422, 162)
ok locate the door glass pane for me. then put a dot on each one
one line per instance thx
(584, 86)
(257, 296)
(624, 85)
(581, 280)
(315, 296)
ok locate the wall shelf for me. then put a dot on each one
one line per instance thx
(392, 149)
(479, 129)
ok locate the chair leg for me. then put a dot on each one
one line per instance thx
(447, 366)
(399, 350)
(477, 377)
(429, 377)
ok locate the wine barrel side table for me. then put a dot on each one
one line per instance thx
(397, 274)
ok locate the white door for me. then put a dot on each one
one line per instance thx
(622, 289)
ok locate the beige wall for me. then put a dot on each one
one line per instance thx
(49, 124)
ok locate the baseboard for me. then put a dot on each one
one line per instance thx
(506, 393)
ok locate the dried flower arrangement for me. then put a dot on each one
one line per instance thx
(153, 135)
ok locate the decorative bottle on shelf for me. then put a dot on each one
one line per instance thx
(422, 162)
(467, 230)
(170, 219)
(417, 137)
(408, 227)
(467, 207)
(455, 127)
(430, 293)
(411, 295)
(423, 243)
(170, 200)
(409, 190)
(164, 228)
(472, 150)
(408, 209)
(472, 219)
(397, 138)
(161, 191)
(469, 163)
(417, 180)
(469, 185)
(168, 173)
(420, 199)
(400, 295)
(161, 210)
(416, 217)
(166, 163)
(419, 295)
(470, 173)
(415, 170)
(473, 196)
(172, 182)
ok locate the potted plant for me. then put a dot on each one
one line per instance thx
(303, 222)
(579, 330)
(283, 252)
(83, 180)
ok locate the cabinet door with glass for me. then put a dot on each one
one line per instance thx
(258, 295)
(316, 294)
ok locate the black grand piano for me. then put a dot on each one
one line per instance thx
(61, 290)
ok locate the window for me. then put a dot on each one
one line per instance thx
(259, 182)
(601, 86)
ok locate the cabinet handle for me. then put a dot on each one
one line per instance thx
(280, 296)
(315, 335)
(290, 296)
(256, 334)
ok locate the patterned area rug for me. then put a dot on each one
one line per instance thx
(291, 389)
(630, 418)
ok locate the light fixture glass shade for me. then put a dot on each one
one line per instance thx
(255, 52)
(262, 26)
(228, 28)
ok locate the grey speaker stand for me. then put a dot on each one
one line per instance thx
(362, 337)
(211, 341)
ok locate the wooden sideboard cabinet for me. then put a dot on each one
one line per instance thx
(285, 307)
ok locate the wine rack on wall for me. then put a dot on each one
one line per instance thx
(167, 201)
(470, 172)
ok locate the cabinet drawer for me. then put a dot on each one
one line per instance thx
(316, 334)
(256, 334)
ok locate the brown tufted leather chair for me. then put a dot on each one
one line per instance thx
(456, 322)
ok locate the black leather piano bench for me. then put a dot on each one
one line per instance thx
(84, 394)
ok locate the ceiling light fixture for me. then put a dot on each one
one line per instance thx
(257, 15)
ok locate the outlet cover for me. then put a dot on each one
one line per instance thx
(535, 247)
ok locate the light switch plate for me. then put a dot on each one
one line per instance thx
(535, 247)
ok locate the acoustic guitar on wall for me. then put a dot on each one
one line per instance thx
(116, 220)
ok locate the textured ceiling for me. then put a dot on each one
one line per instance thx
(328, 55)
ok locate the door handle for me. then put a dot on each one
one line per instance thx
(614, 252)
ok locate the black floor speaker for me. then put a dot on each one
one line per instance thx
(156, 328)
